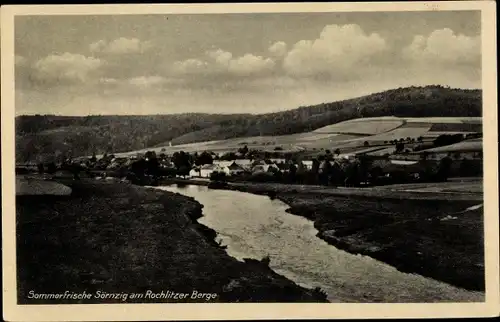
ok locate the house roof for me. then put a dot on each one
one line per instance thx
(259, 162)
(260, 167)
(234, 166)
(243, 161)
(224, 163)
(208, 167)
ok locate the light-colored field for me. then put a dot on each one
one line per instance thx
(403, 132)
(472, 120)
(368, 126)
(384, 151)
(465, 146)
(348, 136)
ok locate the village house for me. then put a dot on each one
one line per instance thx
(222, 163)
(244, 163)
(194, 172)
(308, 164)
(207, 169)
(260, 168)
(233, 169)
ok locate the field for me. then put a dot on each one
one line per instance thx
(368, 126)
(349, 136)
(464, 146)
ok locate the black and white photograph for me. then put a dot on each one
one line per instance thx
(177, 155)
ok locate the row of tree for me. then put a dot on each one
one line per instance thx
(352, 173)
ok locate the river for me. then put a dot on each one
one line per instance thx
(255, 226)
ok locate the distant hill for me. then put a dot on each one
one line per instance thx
(41, 135)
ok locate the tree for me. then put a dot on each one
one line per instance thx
(352, 174)
(400, 147)
(447, 139)
(228, 156)
(366, 143)
(292, 172)
(152, 164)
(138, 168)
(243, 150)
(218, 176)
(424, 155)
(337, 175)
(337, 151)
(444, 168)
(184, 170)
(181, 159)
(324, 172)
(51, 168)
(420, 139)
(204, 158)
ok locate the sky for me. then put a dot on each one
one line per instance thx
(235, 63)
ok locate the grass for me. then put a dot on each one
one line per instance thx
(410, 235)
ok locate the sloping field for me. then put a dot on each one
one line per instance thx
(448, 120)
(332, 142)
(465, 146)
(403, 132)
(456, 127)
(347, 136)
(384, 151)
(378, 125)
(367, 126)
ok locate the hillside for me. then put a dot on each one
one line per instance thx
(42, 135)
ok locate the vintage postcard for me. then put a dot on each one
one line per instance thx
(249, 161)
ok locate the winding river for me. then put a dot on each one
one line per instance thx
(255, 226)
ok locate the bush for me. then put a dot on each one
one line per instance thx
(218, 176)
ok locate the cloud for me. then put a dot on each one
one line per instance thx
(278, 49)
(189, 66)
(338, 49)
(66, 67)
(221, 57)
(220, 62)
(146, 81)
(250, 64)
(121, 46)
(20, 60)
(108, 80)
(444, 46)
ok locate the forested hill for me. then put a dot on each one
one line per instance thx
(49, 134)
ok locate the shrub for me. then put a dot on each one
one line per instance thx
(218, 176)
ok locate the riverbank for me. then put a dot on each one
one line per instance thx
(120, 238)
(435, 231)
